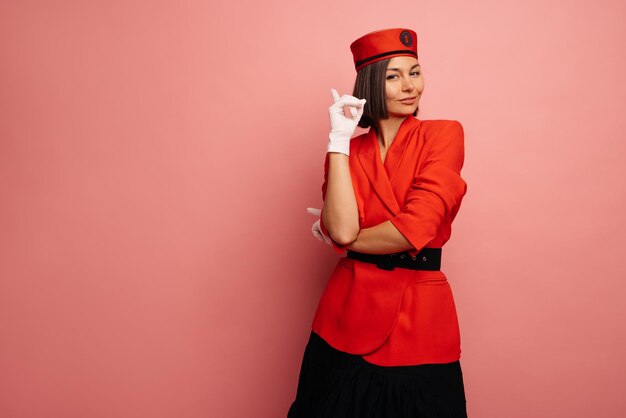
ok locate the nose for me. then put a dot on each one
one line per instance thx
(407, 84)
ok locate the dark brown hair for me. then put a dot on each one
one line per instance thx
(370, 85)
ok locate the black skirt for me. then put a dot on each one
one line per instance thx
(334, 384)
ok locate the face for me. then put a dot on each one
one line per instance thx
(404, 85)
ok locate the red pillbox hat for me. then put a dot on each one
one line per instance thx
(383, 44)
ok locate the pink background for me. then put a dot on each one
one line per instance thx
(156, 160)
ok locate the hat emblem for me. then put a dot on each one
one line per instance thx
(406, 38)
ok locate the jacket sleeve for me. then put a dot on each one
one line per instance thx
(436, 190)
(339, 249)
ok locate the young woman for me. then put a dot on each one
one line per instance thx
(385, 339)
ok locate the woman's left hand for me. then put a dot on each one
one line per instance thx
(316, 229)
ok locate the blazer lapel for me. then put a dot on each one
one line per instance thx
(369, 157)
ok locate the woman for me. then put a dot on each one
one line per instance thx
(385, 339)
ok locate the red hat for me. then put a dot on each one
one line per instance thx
(383, 44)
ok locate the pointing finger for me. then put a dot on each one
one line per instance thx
(314, 211)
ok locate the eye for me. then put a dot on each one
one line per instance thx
(389, 77)
(416, 73)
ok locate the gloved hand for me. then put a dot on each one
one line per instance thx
(316, 229)
(342, 127)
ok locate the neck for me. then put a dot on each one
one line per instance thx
(387, 129)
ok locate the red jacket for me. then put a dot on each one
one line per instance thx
(399, 317)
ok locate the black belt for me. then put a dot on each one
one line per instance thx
(427, 259)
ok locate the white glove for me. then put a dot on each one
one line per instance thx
(316, 229)
(342, 127)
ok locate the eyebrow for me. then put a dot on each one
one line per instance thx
(397, 69)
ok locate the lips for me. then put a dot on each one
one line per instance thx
(408, 100)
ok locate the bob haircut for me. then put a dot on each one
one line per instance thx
(370, 85)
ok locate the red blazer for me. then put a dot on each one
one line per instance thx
(399, 317)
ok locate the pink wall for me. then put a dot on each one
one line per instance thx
(156, 160)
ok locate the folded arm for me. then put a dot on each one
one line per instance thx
(434, 197)
(383, 238)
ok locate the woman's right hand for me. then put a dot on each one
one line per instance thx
(343, 127)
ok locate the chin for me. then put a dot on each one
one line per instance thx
(402, 114)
